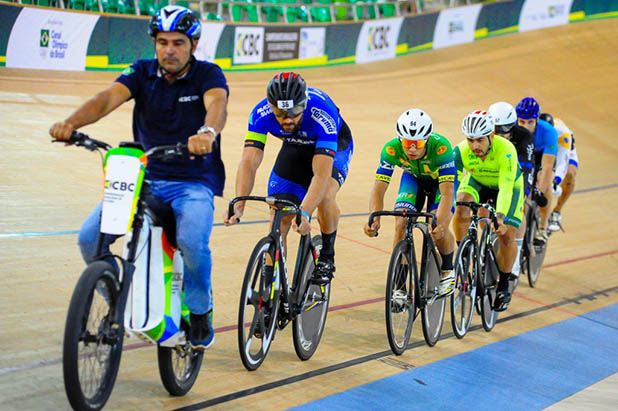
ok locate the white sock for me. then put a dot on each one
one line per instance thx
(519, 242)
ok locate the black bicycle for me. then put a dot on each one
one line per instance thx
(268, 302)
(95, 323)
(409, 291)
(532, 251)
(476, 273)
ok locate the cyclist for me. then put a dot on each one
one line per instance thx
(312, 163)
(178, 99)
(505, 120)
(545, 150)
(429, 173)
(492, 172)
(566, 169)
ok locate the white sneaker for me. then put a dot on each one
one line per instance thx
(447, 283)
(555, 222)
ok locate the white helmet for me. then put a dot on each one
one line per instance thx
(477, 124)
(504, 115)
(414, 124)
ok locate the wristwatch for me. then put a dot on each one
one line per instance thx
(207, 129)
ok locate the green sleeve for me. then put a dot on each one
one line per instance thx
(507, 175)
(458, 162)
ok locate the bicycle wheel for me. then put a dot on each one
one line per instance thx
(434, 306)
(308, 325)
(537, 252)
(92, 341)
(400, 301)
(464, 297)
(259, 306)
(179, 366)
(489, 276)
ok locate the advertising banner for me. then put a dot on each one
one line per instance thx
(207, 46)
(537, 14)
(377, 40)
(48, 39)
(248, 45)
(456, 26)
(281, 43)
(312, 42)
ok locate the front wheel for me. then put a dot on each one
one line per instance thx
(259, 305)
(179, 366)
(489, 275)
(312, 300)
(434, 305)
(464, 296)
(536, 253)
(92, 340)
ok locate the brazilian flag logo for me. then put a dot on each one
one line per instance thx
(44, 41)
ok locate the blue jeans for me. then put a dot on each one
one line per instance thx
(193, 207)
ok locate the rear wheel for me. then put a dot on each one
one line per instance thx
(537, 252)
(179, 366)
(308, 325)
(92, 340)
(464, 297)
(434, 305)
(259, 305)
(400, 301)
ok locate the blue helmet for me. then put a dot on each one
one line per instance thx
(528, 108)
(175, 18)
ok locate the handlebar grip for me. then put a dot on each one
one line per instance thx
(230, 209)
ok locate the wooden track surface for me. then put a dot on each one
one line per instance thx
(47, 188)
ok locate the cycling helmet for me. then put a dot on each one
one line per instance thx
(477, 124)
(528, 108)
(547, 117)
(287, 91)
(504, 116)
(414, 124)
(175, 18)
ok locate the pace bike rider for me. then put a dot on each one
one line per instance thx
(491, 172)
(545, 150)
(312, 163)
(505, 120)
(566, 169)
(178, 99)
(429, 174)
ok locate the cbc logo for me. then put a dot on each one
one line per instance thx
(378, 38)
(247, 44)
(120, 185)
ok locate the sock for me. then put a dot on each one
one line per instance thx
(458, 243)
(516, 267)
(503, 283)
(328, 246)
(447, 261)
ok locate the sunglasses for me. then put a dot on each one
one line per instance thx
(504, 129)
(287, 113)
(417, 144)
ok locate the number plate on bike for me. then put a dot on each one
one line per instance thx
(122, 174)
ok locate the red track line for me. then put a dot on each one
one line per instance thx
(574, 260)
(545, 305)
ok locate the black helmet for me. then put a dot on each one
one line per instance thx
(287, 91)
(547, 117)
(175, 18)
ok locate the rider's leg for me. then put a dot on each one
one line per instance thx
(88, 235)
(568, 185)
(462, 217)
(328, 218)
(519, 241)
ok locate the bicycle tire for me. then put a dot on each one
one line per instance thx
(464, 298)
(254, 304)
(179, 366)
(92, 340)
(535, 260)
(308, 325)
(432, 314)
(489, 276)
(400, 307)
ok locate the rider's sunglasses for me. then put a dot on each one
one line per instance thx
(287, 113)
(417, 144)
(504, 129)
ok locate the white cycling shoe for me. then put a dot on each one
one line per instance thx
(447, 284)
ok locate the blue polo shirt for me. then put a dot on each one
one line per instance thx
(167, 113)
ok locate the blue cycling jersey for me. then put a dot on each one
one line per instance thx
(545, 138)
(319, 127)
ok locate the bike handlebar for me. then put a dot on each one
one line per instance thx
(477, 206)
(278, 203)
(405, 214)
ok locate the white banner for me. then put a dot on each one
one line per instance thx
(121, 175)
(378, 40)
(311, 42)
(248, 45)
(456, 26)
(48, 39)
(207, 46)
(537, 14)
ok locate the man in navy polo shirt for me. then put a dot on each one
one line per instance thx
(177, 99)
